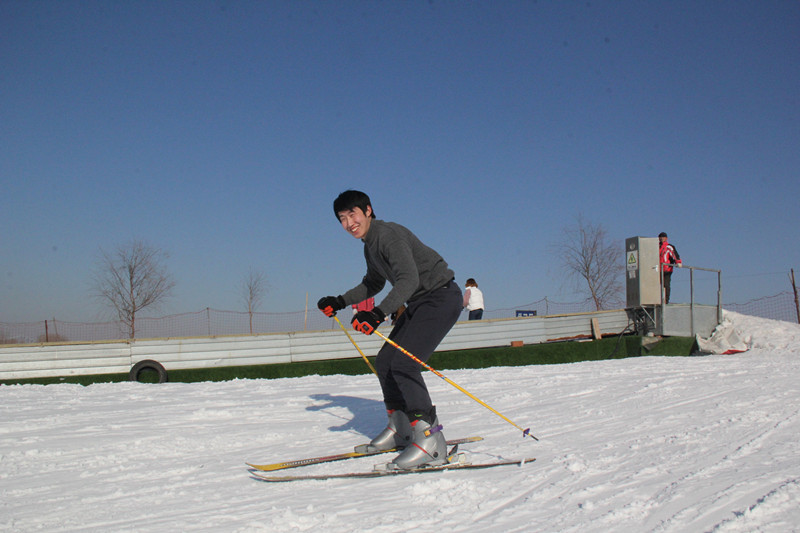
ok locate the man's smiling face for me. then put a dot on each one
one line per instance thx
(355, 221)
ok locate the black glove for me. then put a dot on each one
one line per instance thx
(330, 304)
(368, 321)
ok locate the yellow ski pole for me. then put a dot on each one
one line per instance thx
(525, 432)
(356, 345)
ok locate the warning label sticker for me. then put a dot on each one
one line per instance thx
(632, 261)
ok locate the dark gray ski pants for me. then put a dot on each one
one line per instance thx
(419, 330)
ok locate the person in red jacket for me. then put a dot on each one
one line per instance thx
(668, 256)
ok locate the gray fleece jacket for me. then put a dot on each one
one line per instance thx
(396, 255)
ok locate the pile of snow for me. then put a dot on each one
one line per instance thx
(642, 444)
(730, 336)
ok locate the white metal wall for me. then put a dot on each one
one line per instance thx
(52, 360)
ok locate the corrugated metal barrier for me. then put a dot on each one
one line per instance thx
(71, 359)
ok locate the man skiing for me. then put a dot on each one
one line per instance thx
(668, 256)
(421, 280)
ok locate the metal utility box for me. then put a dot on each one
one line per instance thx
(643, 281)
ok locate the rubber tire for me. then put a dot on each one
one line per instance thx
(148, 364)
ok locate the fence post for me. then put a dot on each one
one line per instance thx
(719, 297)
(691, 297)
(796, 304)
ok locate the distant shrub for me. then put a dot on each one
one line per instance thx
(52, 337)
(8, 340)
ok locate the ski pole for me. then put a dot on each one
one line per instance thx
(525, 432)
(356, 345)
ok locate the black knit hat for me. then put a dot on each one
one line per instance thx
(662, 234)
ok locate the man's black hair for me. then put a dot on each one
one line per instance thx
(351, 199)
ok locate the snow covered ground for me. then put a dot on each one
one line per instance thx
(704, 443)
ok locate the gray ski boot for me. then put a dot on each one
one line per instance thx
(429, 447)
(397, 434)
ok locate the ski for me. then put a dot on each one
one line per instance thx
(384, 473)
(340, 457)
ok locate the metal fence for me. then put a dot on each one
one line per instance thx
(781, 306)
(213, 322)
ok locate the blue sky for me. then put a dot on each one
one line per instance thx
(220, 132)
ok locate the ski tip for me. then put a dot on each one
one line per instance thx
(264, 468)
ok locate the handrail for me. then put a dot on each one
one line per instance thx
(691, 289)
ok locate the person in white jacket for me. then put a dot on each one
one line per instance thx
(473, 300)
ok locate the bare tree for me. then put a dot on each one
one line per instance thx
(253, 290)
(132, 279)
(594, 266)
